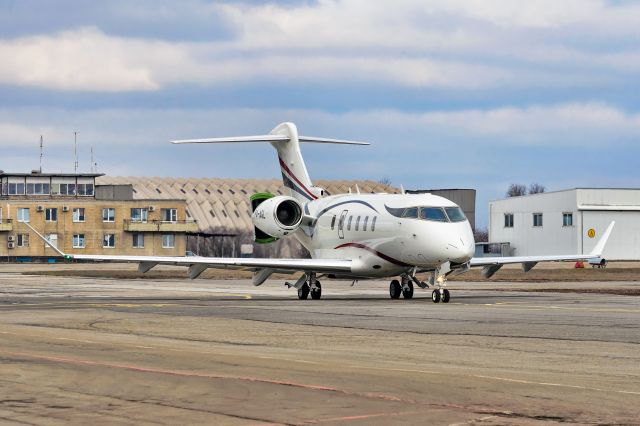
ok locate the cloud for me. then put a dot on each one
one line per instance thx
(84, 59)
(442, 44)
(558, 125)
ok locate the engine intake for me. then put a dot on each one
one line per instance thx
(277, 216)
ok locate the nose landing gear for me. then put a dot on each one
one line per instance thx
(440, 294)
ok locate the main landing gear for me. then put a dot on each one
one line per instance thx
(310, 287)
(405, 289)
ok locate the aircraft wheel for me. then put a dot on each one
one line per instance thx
(445, 296)
(303, 292)
(316, 292)
(407, 292)
(435, 296)
(395, 289)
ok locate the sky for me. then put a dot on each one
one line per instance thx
(450, 93)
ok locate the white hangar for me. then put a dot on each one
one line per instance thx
(569, 221)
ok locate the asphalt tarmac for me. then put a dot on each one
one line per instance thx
(96, 351)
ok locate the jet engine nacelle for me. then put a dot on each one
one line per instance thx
(278, 216)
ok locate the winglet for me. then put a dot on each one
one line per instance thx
(599, 248)
(46, 241)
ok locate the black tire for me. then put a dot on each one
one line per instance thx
(407, 292)
(395, 289)
(303, 292)
(435, 296)
(316, 292)
(446, 296)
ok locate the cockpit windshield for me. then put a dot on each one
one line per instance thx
(437, 214)
(433, 213)
(455, 214)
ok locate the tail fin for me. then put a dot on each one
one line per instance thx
(285, 139)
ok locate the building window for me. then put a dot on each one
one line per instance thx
(537, 219)
(373, 223)
(109, 215)
(171, 215)
(168, 241)
(16, 188)
(349, 223)
(364, 224)
(78, 214)
(22, 240)
(85, 189)
(357, 223)
(63, 189)
(567, 219)
(139, 215)
(508, 220)
(138, 240)
(109, 241)
(51, 214)
(333, 222)
(78, 241)
(37, 188)
(52, 239)
(23, 215)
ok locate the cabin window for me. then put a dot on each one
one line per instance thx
(333, 222)
(357, 223)
(349, 223)
(567, 219)
(373, 223)
(364, 224)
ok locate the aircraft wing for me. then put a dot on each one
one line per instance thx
(491, 265)
(250, 264)
(198, 264)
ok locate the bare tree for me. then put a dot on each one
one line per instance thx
(481, 235)
(516, 190)
(385, 180)
(536, 188)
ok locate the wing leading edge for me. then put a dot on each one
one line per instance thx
(199, 264)
(491, 265)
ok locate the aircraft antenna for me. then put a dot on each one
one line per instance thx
(41, 152)
(75, 152)
(401, 189)
(357, 189)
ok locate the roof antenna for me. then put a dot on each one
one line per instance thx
(93, 167)
(41, 153)
(75, 152)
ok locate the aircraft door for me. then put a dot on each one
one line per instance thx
(343, 217)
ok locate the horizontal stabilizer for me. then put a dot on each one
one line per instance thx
(269, 138)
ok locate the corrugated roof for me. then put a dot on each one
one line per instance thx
(223, 204)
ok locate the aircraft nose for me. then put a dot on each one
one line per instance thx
(459, 250)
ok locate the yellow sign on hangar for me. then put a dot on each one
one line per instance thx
(591, 233)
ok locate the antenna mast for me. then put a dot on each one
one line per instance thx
(41, 153)
(75, 152)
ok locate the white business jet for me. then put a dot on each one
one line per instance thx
(351, 236)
